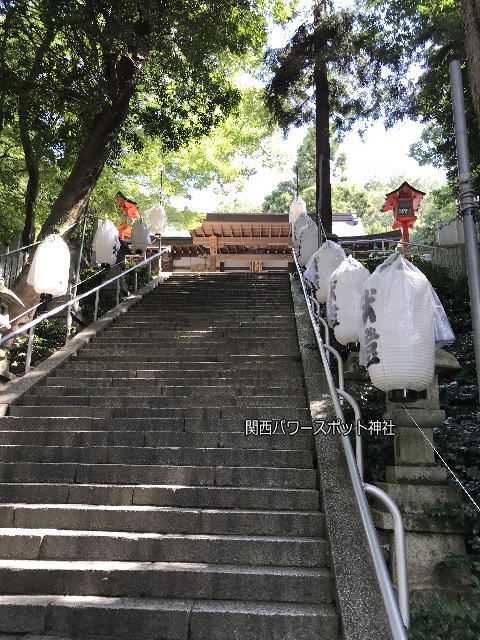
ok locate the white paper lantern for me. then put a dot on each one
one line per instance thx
(345, 296)
(398, 336)
(324, 262)
(157, 218)
(50, 269)
(297, 206)
(140, 236)
(302, 221)
(308, 243)
(106, 242)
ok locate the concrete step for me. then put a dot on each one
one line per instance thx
(102, 618)
(52, 544)
(155, 519)
(98, 473)
(166, 580)
(182, 456)
(112, 350)
(161, 495)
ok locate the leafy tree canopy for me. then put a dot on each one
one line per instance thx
(64, 66)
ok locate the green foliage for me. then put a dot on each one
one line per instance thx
(49, 336)
(61, 62)
(365, 73)
(428, 34)
(441, 618)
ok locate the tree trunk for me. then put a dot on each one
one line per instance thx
(31, 162)
(84, 175)
(322, 125)
(471, 21)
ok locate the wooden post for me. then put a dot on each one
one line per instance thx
(213, 253)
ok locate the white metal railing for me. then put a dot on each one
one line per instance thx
(398, 612)
(30, 326)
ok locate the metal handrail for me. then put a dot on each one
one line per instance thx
(33, 323)
(397, 626)
(27, 311)
(400, 548)
(388, 241)
(358, 420)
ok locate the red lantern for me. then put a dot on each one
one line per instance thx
(404, 202)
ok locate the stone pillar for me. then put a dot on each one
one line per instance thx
(417, 484)
(352, 369)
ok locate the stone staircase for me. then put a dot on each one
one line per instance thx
(133, 504)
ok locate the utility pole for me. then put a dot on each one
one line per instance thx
(467, 205)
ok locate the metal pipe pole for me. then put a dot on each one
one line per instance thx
(467, 205)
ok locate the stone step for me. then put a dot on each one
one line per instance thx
(181, 341)
(52, 544)
(222, 476)
(155, 519)
(206, 321)
(81, 432)
(142, 369)
(243, 386)
(145, 349)
(100, 618)
(133, 502)
(159, 390)
(179, 355)
(165, 456)
(200, 334)
(166, 580)
(161, 495)
(211, 321)
(152, 402)
(207, 419)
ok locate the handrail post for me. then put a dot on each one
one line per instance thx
(97, 299)
(135, 281)
(341, 378)
(118, 292)
(149, 271)
(400, 549)
(69, 323)
(28, 359)
(358, 435)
